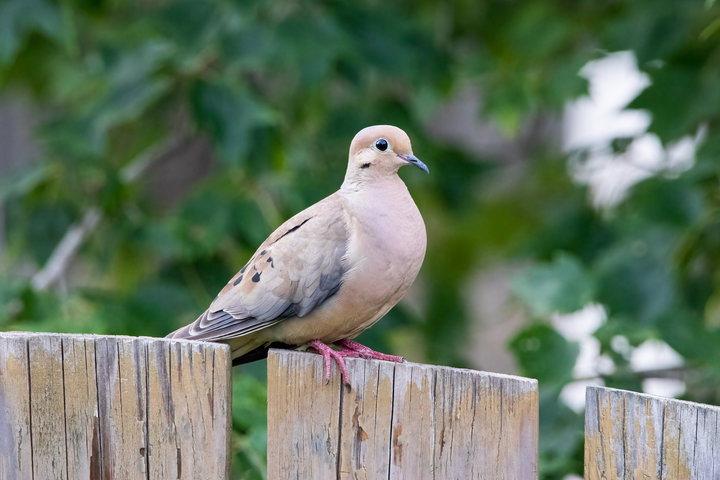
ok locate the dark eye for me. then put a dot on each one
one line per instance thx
(381, 144)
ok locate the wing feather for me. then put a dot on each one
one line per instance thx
(294, 271)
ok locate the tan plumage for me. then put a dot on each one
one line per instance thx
(332, 270)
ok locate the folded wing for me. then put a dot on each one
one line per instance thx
(294, 271)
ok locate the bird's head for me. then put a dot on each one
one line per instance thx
(379, 151)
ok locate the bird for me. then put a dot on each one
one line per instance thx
(332, 270)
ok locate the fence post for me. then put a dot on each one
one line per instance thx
(634, 435)
(398, 421)
(108, 407)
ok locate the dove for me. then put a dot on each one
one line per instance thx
(332, 270)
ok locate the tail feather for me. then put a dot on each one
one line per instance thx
(183, 332)
(245, 349)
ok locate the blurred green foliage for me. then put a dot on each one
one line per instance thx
(277, 89)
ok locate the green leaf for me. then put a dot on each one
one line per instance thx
(11, 304)
(656, 201)
(695, 98)
(135, 83)
(21, 181)
(20, 18)
(249, 414)
(542, 353)
(229, 115)
(560, 286)
(561, 431)
(633, 278)
(186, 22)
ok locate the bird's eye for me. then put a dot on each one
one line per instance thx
(381, 144)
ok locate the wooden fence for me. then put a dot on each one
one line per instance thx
(98, 407)
(81, 406)
(398, 420)
(630, 435)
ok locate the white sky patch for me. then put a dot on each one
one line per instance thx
(621, 345)
(579, 327)
(654, 354)
(591, 123)
(664, 387)
(573, 394)
(595, 120)
(657, 355)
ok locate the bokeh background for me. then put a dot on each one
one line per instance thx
(573, 206)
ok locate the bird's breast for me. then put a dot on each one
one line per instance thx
(385, 254)
(385, 251)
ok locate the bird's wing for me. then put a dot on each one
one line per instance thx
(296, 269)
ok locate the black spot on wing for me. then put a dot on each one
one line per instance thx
(256, 277)
(295, 227)
(242, 270)
(365, 165)
(238, 280)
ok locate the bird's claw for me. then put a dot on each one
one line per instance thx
(355, 349)
(330, 354)
(349, 349)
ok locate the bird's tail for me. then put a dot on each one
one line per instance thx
(245, 349)
(183, 332)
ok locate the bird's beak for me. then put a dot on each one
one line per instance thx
(413, 160)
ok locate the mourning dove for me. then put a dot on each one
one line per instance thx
(332, 270)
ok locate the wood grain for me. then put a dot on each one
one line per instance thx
(81, 407)
(47, 404)
(186, 406)
(631, 435)
(104, 407)
(398, 421)
(296, 389)
(15, 421)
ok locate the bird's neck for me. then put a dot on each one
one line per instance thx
(387, 198)
(371, 184)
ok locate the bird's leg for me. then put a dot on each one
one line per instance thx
(329, 354)
(354, 349)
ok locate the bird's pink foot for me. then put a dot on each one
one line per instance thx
(329, 354)
(354, 349)
(349, 349)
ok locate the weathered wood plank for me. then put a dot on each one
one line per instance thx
(297, 390)
(412, 439)
(182, 432)
(47, 405)
(122, 391)
(81, 406)
(366, 422)
(633, 435)
(398, 421)
(15, 425)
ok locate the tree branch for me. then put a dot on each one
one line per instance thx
(64, 253)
